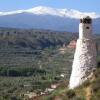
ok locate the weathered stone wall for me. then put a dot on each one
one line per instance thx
(84, 62)
(85, 31)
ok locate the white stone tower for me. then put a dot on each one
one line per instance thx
(85, 55)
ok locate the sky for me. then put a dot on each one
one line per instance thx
(81, 5)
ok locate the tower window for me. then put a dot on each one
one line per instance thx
(87, 27)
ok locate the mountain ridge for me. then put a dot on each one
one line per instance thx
(71, 13)
(47, 18)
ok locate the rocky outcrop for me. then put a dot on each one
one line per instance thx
(72, 44)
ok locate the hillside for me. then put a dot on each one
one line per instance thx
(29, 59)
(32, 60)
(19, 47)
(90, 90)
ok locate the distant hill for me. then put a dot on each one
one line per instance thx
(20, 47)
(32, 39)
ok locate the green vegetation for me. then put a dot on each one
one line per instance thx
(30, 60)
(18, 80)
(15, 71)
(90, 90)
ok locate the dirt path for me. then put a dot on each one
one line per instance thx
(88, 91)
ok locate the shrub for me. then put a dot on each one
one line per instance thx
(86, 83)
(96, 87)
(79, 98)
(70, 93)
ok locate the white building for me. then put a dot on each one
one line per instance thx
(30, 95)
(85, 55)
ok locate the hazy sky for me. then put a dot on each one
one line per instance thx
(81, 5)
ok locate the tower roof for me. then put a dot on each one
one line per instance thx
(86, 20)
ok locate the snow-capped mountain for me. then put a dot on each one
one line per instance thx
(53, 11)
(61, 12)
(47, 18)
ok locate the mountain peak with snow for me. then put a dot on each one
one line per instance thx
(71, 13)
(47, 18)
(41, 10)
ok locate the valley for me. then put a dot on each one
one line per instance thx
(31, 60)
